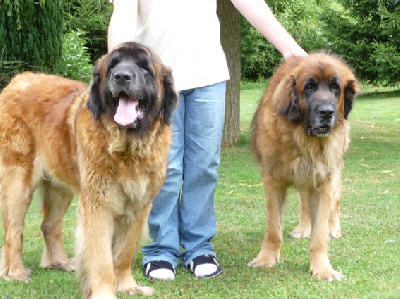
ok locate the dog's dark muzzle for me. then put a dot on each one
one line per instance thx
(322, 120)
(123, 77)
(326, 111)
(127, 80)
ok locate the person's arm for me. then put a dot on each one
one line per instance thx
(122, 27)
(261, 17)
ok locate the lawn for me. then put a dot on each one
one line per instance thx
(368, 254)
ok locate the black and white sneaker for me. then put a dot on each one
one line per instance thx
(159, 270)
(204, 266)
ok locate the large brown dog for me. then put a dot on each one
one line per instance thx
(108, 143)
(300, 135)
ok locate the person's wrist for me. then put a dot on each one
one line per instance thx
(294, 53)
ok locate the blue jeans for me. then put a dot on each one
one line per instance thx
(182, 220)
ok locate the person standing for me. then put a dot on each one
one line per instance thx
(186, 36)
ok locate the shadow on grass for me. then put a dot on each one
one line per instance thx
(380, 94)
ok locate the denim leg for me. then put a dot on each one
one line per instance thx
(204, 121)
(163, 218)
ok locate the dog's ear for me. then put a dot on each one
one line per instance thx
(350, 92)
(294, 113)
(95, 103)
(170, 99)
(285, 98)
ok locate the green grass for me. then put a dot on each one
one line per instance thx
(368, 254)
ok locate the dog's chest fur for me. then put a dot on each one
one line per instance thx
(132, 169)
(305, 161)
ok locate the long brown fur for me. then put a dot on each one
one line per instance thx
(57, 134)
(288, 156)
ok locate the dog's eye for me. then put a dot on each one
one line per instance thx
(308, 87)
(335, 86)
(147, 71)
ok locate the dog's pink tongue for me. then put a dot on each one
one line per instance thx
(126, 112)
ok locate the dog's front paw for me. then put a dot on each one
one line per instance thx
(139, 290)
(67, 265)
(336, 234)
(301, 232)
(328, 274)
(264, 259)
(23, 275)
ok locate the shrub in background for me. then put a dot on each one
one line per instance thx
(366, 34)
(75, 62)
(30, 36)
(259, 58)
(92, 17)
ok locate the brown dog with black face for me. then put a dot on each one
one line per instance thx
(107, 143)
(300, 135)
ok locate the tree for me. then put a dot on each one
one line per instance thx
(230, 40)
(91, 19)
(366, 33)
(259, 58)
(31, 34)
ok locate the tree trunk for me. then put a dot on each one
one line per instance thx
(230, 40)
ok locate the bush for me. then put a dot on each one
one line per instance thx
(387, 63)
(30, 37)
(259, 58)
(366, 35)
(9, 69)
(75, 62)
(92, 17)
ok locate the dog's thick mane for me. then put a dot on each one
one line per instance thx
(319, 156)
(122, 141)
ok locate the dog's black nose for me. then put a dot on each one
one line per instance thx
(325, 110)
(123, 76)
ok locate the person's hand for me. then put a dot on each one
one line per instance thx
(295, 52)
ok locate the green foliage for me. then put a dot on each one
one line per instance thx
(30, 37)
(366, 34)
(387, 63)
(75, 63)
(301, 19)
(9, 69)
(31, 32)
(259, 58)
(92, 17)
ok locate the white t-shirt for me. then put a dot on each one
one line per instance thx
(186, 35)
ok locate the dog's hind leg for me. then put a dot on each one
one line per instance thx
(334, 221)
(56, 200)
(303, 230)
(15, 198)
(17, 182)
